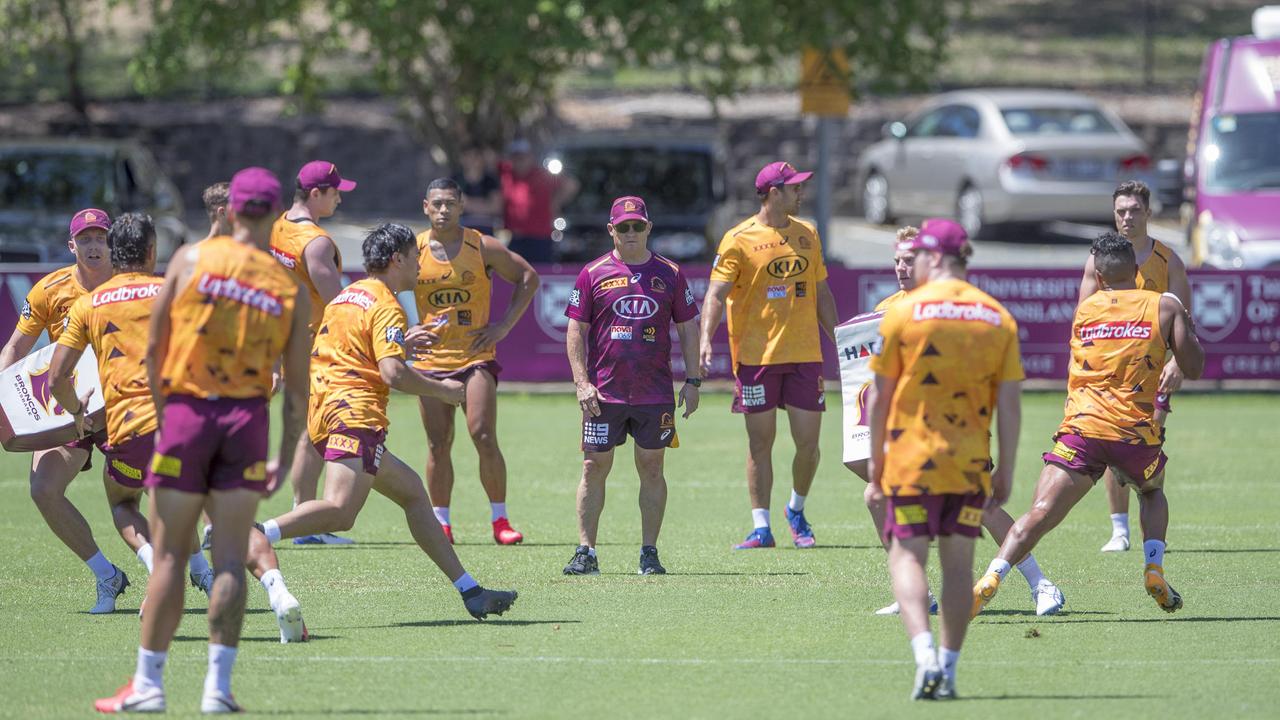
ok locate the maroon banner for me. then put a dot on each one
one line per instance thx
(1237, 314)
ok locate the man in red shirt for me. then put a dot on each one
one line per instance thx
(531, 198)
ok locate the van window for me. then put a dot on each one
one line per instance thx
(1057, 121)
(35, 179)
(672, 181)
(1242, 152)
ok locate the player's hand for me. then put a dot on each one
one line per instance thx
(277, 379)
(874, 494)
(273, 476)
(84, 425)
(419, 340)
(875, 471)
(484, 338)
(589, 399)
(452, 392)
(689, 396)
(1170, 379)
(705, 355)
(1001, 486)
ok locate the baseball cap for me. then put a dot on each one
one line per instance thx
(323, 174)
(628, 208)
(779, 173)
(254, 192)
(939, 235)
(89, 218)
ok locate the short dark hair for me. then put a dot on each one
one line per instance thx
(216, 196)
(383, 242)
(1133, 188)
(444, 183)
(131, 237)
(1113, 257)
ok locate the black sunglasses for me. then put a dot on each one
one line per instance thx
(634, 226)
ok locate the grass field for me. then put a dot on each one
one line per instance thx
(766, 633)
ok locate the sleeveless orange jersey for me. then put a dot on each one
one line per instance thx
(115, 318)
(230, 324)
(48, 303)
(773, 307)
(453, 296)
(1153, 274)
(1117, 353)
(363, 325)
(889, 301)
(289, 239)
(950, 345)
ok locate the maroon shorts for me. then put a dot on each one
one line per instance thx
(493, 367)
(758, 388)
(363, 443)
(87, 443)
(209, 444)
(1137, 464)
(934, 515)
(653, 427)
(127, 462)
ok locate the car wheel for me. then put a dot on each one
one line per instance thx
(969, 211)
(875, 200)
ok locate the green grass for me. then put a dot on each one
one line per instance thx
(728, 634)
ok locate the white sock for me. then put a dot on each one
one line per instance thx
(272, 530)
(1119, 524)
(497, 510)
(760, 516)
(1030, 570)
(273, 582)
(1153, 551)
(947, 658)
(197, 563)
(591, 551)
(465, 583)
(101, 566)
(999, 567)
(149, 674)
(442, 514)
(922, 646)
(797, 502)
(145, 554)
(221, 660)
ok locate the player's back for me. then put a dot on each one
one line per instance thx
(1117, 354)
(345, 378)
(230, 323)
(289, 240)
(453, 298)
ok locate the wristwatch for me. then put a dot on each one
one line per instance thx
(696, 382)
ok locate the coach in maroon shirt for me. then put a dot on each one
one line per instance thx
(619, 342)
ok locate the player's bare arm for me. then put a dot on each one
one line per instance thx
(400, 376)
(320, 256)
(61, 368)
(1089, 283)
(1008, 425)
(1172, 375)
(297, 386)
(18, 347)
(575, 342)
(880, 402)
(827, 313)
(516, 270)
(1181, 338)
(687, 331)
(712, 313)
(175, 278)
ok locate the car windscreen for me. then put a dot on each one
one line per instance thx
(54, 181)
(671, 181)
(1242, 152)
(1057, 121)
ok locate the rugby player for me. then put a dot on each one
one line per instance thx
(214, 198)
(300, 244)
(619, 343)
(114, 318)
(1159, 270)
(359, 356)
(226, 312)
(770, 275)
(1046, 596)
(1119, 341)
(948, 358)
(45, 310)
(453, 292)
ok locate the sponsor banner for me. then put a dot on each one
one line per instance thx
(31, 418)
(856, 342)
(1237, 314)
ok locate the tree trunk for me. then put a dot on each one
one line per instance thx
(75, 86)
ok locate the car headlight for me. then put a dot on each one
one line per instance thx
(1221, 243)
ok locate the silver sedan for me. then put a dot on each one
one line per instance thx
(987, 157)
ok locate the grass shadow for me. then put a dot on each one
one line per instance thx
(1127, 620)
(1021, 613)
(311, 637)
(458, 623)
(1215, 551)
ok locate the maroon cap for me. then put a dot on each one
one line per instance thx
(89, 218)
(779, 173)
(628, 208)
(939, 235)
(254, 192)
(323, 174)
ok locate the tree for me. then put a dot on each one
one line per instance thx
(32, 28)
(478, 70)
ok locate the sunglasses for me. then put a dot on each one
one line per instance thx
(634, 226)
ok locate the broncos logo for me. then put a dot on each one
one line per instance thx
(42, 390)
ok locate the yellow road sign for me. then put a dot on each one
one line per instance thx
(824, 83)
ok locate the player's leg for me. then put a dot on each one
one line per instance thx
(232, 512)
(1153, 508)
(263, 563)
(51, 473)
(126, 514)
(762, 429)
(596, 464)
(907, 558)
(1046, 596)
(1118, 502)
(304, 476)
(806, 429)
(481, 408)
(875, 503)
(653, 505)
(173, 522)
(438, 420)
(401, 485)
(345, 492)
(955, 552)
